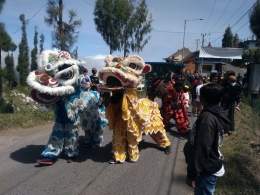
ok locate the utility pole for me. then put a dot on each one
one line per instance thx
(205, 34)
(197, 40)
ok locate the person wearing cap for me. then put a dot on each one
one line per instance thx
(232, 90)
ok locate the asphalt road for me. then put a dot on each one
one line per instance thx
(153, 174)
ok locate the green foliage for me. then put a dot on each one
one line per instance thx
(227, 40)
(236, 40)
(255, 104)
(123, 24)
(257, 55)
(9, 69)
(41, 42)
(5, 107)
(23, 57)
(34, 52)
(241, 152)
(2, 2)
(254, 18)
(25, 119)
(64, 35)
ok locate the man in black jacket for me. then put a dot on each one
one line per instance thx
(202, 151)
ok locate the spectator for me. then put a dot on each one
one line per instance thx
(194, 84)
(214, 77)
(202, 151)
(232, 90)
(85, 85)
(94, 80)
(198, 105)
(239, 79)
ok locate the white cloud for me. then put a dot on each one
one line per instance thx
(96, 61)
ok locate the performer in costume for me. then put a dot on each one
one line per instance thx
(58, 83)
(174, 105)
(128, 116)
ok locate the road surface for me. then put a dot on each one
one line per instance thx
(153, 174)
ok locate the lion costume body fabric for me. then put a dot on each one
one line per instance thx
(58, 83)
(128, 116)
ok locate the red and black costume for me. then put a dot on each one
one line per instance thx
(173, 106)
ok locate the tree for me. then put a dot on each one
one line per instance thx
(227, 40)
(236, 40)
(5, 45)
(9, 69)
(2, 2)
(143, 27)
(254, 18)
(34, 51)
(123, 24)
(23, 57)
(75, 53)
(257, 55)
(41, 42)
(64, 35)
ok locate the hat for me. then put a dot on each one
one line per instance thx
(232, 78)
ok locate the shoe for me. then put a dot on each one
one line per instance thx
(112, 161)
(71, 159)
(237, 107)
(167, 150)
(46, 161)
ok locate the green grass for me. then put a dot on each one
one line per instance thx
(25, 119)
(242, 155)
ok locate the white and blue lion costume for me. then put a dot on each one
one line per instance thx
(58, 83)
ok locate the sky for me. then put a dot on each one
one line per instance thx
(168, 26)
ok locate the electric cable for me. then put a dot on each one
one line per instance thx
(220, 16)
(210, 15)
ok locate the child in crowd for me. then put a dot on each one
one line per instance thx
(95, 81)
(197, 104)
(202, 151)
(85, 85)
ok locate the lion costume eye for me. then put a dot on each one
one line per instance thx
(49, 67)
(134, 66)
(67, 75)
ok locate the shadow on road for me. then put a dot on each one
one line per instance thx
(102, 154)
(27, 155)
(143, 145)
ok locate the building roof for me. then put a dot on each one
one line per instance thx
(171, 58)
(167, 63)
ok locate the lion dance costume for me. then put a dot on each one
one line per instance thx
(128, 116)
(58, 83)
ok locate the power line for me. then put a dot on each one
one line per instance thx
(239, 19)
(209, 15)
(31, 17)
(88, 3)
(242, 26)
(220, 15)
(245, 14)
(232, 16)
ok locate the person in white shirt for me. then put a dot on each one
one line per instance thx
(198, 104)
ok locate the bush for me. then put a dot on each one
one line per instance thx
(5, 107)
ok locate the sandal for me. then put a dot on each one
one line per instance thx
(112, 161)
(46, 161)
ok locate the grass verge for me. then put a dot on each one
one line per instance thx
(25, 119)
(241, 152)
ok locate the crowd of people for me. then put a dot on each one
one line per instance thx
(213, 100)
(182, 88)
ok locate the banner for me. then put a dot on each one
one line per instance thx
(219, 52)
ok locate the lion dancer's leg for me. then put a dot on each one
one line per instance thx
(162, 140)
(181, 121)
(64, 135)
(133, 151)
(118, 146)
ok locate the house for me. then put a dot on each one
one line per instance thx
(177, 56)
(249, 44)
